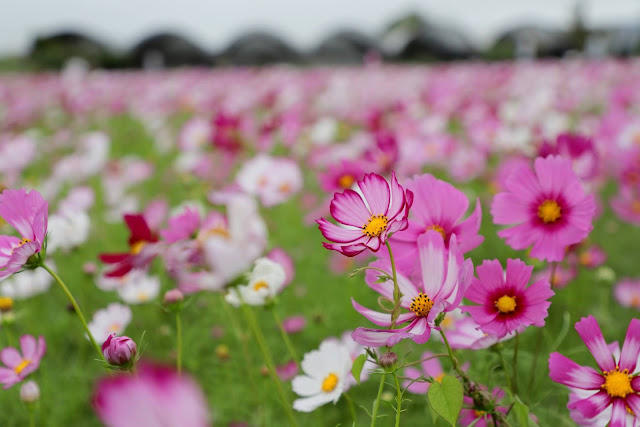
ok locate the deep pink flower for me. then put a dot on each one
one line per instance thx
(507, 303)
(18, 366)
(142, 248)
(294, 324)
(439, 206)
(579, 148)
(627, 293)
(27, 212)
(615, 385)
(549, 207)
(155, 396)
(182, 226)
(342, 175)
(366, 218)
(119, 350)
(445, 276)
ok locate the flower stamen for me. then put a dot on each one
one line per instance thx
(617, 383)
(549, 211)
(421, 305)
(260, 285)
(375, 225)
(437, 228)
(506, 304)
(21, 366)
(330, 382)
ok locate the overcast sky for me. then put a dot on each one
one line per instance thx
(214, 23)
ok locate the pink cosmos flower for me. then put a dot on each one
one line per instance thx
(155, 396)
(294, 324)
(367, 218)
(27, 212)
(342, 175)
(445, 277)
(579, 148)
(182, 226)
(507, 303)
(614, 385)
(549, 207)
(627, 293)
(430, 368)
(119, 350)
(18, 366)
(439, 206)
(464, 333)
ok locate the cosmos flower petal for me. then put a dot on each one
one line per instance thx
(376, 192)
(565, 371)
(631, 347)
(593, 405)
(590, 332)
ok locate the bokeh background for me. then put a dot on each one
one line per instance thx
(38, 34)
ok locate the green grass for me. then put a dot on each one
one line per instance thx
(236, 389)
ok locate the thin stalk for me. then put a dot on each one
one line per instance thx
(76, 308)
(534, 364)
(433, 356)
(32, 418)
(454, 361)
(285, 337)
(396, 289)
(515, 364)
(506, 372)
(251, 320)
(376, 403)
(352, 408)
(398, 399)
(178, 342)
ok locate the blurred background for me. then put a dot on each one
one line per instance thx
(41, 34)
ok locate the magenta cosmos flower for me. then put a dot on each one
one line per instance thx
(506, 303)
(614, 385)
(439, 206)
(155, 396)
(549, 207)
(18, 366)
(445, 278)
(27, 212)
(366, 217)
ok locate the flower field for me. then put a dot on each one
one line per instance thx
(384, 245)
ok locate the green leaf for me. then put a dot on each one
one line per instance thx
(521, 414)
(446, 398)
(358, 364)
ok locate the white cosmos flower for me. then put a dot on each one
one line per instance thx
(141, 289)
(68, 230)
(265, 282)
(28, 283)
(326, 373)
(105, 322)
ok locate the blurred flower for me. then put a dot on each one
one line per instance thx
(287, 371)
(29, 392)
(294, 324)
(550, 208)
(18, 366)
(110, 320)
(154, 396)
(27, 284)
(627, 293)
(27, 212)
(272, 179)
(265, 282)
(143, 289)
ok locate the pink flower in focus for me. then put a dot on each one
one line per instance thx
(366, 219)
(119, 350)
(439, 206)
(27, 212)
(155, 396)
(18, 366)
(615, 385)
(549, 208)
(445, 278)
(507, 303)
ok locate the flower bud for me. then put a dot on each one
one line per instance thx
(29, 392)
(119, 350)
(173, 296)
(388, 359)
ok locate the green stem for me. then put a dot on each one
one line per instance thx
(504, 368)
(178, 342)
(534, 364)
(396, 289)
(285, 337)
(352, 408)
(76, 308)
(32, 418)
(251, 320)
(515, 364)
(454, 361)
(398, 399)
(376, 403)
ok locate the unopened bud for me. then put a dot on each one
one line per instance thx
(29, 392)
(388, 359)
(173, 296)
(119, 350)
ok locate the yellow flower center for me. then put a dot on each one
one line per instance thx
(479, 414)
(375, 226)
(260, 285)
(586, 258)
(421, 305)
(635, 301)
(6, 303)
(285, 188)
(346, 181)
(439, 377)
(21, 366)
(143, 296)
(329, 383)
(549, 211)
(635, 206)
(506, 304)
(23, 241)
(617, 384)
(437, 228)
(136, 248)
(115, 327)
(215, 231)
(446, 323)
